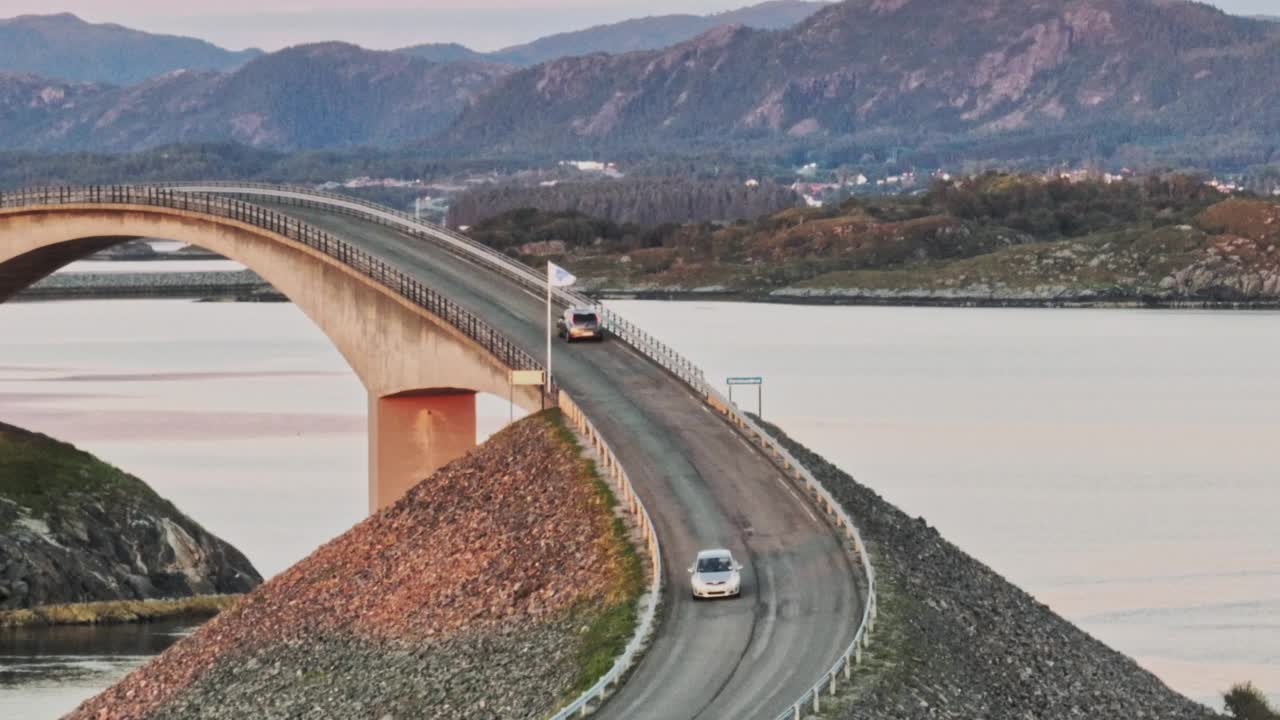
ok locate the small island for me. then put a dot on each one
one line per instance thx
(82, 542)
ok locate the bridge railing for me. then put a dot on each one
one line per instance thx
(652, 348)
(435, 303)
(851, 537)
(469, 324)
(464, 247)
(656, 351)
(460, 244)
(645, 624)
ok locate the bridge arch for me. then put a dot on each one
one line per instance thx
(421, 359)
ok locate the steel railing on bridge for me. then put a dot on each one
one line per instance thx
(469, 324)
(649, 346)
(460, 318)
(462, 246)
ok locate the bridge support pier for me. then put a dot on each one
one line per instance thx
(420, 369)
(411, 435)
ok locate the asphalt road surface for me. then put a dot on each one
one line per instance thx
(704, 486)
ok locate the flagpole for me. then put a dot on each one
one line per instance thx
(548, 381)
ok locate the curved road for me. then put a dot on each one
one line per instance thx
(704, 486)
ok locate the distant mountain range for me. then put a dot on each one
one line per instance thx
(64, 47)
(1008, 76)
(66, 84)
(649, 33)
(908, 69)
(68, 48)
(329, 95)
(449, 52)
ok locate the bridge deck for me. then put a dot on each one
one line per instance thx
(704, 487)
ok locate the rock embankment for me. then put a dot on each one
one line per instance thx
(233, 284)
(957, 641)
(472, 597)
(74, 530)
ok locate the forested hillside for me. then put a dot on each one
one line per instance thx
(638, 201)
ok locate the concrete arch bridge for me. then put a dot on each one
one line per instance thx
(427, 318)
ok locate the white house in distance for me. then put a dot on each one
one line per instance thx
(586, 165)
(593, 166)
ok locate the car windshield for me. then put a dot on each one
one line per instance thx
(583, 318)
(715, 565)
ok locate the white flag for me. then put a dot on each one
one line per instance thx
(558, 276)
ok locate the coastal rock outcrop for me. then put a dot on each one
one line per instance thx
(74, 529)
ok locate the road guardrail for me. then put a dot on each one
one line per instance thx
(344, 253)
(460, 318)
(665, 356)
(649, 610)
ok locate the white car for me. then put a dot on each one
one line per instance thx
(716, 574)
(580, 324)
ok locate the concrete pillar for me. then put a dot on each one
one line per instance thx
(411, 435)
(390, 342)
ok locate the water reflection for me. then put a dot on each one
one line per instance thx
(1118, 465)
(47, 672)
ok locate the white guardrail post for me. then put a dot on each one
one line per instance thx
(649, 610)
(624, 330)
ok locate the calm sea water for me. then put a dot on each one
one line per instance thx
(1119, 465)
(44, 673)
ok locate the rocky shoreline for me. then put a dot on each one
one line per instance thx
(927, 299)
(956, 641)
(74, 529)
(242, 285)
(144, 251)
(119, 612)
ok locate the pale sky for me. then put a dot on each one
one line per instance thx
(386, 24)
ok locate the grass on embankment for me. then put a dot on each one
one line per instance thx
(612, 626)
(1247, 702)
(118, 612)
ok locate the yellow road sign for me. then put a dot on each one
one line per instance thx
(527, 377)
